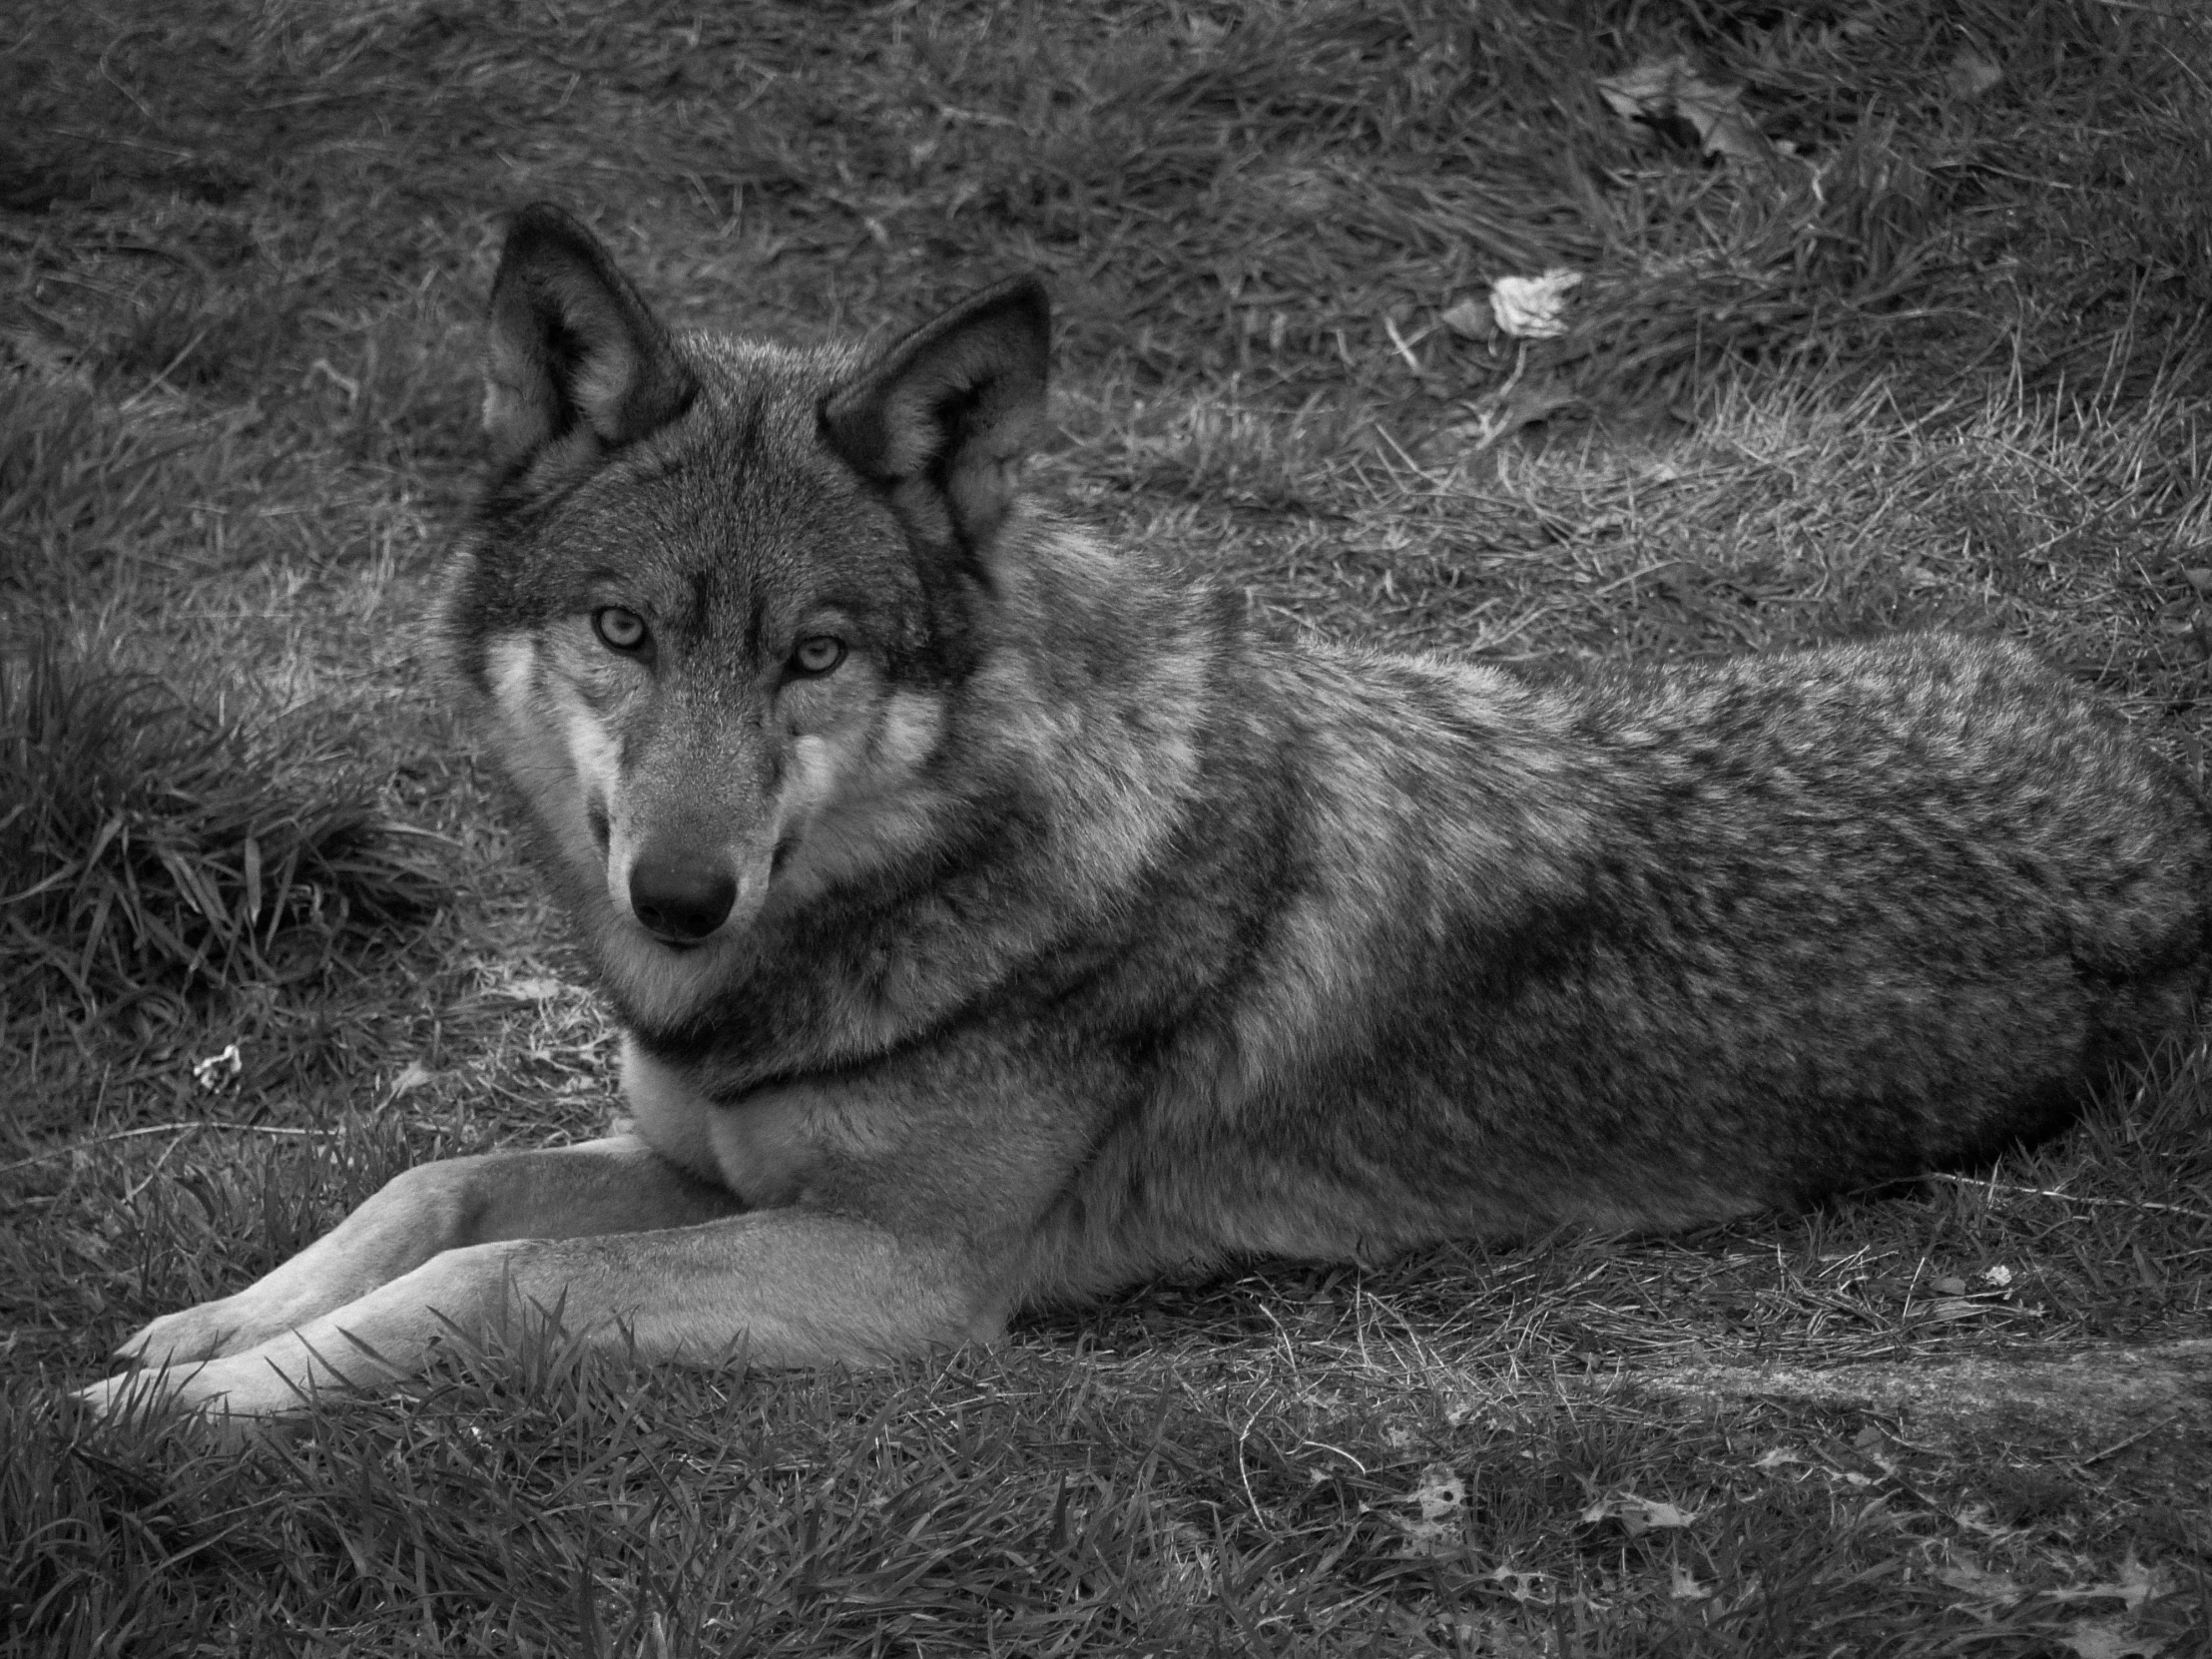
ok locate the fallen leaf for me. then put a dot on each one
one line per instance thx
(1978, 1583)
(218, 1071)
(1528, 307)
(1440, 1493)
(1538, 397)
(1472, 319)
(1637, 1514)
(1439, 1496)
(1522, 1587)
(1685, 1586)
(1974, 1517)
(411, 1077)
(1659, 89)
(2136, 1585)
(2105, 1640)
(1970, 74)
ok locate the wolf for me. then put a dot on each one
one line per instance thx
(997, 917)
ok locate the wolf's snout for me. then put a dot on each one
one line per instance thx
(680, 900)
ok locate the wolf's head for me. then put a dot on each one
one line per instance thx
(721, 592)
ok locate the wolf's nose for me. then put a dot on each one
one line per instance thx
(680, 900)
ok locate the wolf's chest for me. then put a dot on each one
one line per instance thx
(765, 1151)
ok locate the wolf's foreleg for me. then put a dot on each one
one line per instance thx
(787, 1286)
(616, 1184)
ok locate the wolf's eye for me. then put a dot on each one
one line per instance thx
(818, 654)
(619, 629)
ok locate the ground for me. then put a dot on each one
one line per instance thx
(1888, 314)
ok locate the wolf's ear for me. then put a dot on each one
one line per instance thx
(574, 352)
(944, 420)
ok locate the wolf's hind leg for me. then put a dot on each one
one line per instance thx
(616, 1184)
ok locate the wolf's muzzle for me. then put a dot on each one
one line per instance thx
(680, 900)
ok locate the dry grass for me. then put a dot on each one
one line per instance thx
(1940, 359)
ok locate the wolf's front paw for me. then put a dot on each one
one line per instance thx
(134, 1392)
(230, 1394)
(209, 1331)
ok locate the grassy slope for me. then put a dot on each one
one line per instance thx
(242, 249)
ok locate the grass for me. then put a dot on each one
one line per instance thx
(1939, 355)
(148, 836)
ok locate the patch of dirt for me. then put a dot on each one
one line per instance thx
(2102, 1397)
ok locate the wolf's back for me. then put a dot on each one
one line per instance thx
(1646, 947)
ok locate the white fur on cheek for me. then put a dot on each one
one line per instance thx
(813, 776)
(513, 664)
(913, 723)
(537, 749)
(595, 755)
(597, 759)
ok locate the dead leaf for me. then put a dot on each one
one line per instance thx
(1685, 1586)
(1528, 307)
(219, 1071)
(1660, 90)
(2105, 1640)
(1522, 1587)
(1440, 1496)
(2136, 1585)
(1874, 1441)
(1978, 1583)
(1970, 74)
(1440, 1493)
(1538, 397)
(1973, 1518)
(411, 1077)
(1637, 1514)
(1472, 319)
